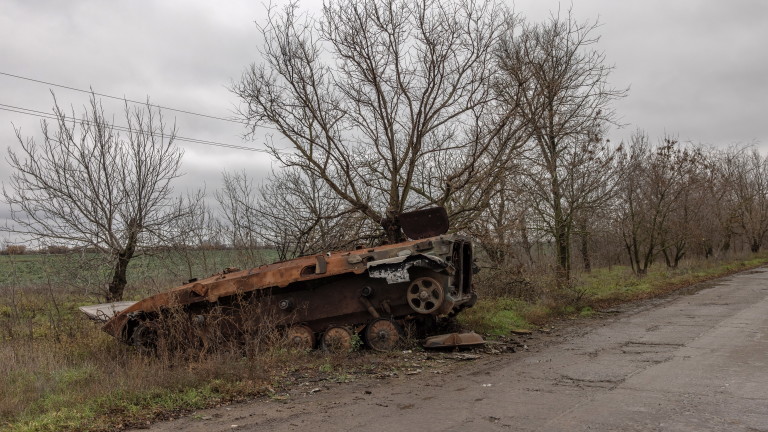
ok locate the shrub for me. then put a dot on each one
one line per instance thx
(15, 250)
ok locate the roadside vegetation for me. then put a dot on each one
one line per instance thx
(60, 372)
(499, 314)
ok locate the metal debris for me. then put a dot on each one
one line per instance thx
(105, 311)
(451, 340)
(332, 299)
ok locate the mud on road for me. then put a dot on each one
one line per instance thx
(695, 360)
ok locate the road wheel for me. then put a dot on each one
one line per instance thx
(301, 337)
(337, 339)
(383, 334)
(144, 337)
(425, 295)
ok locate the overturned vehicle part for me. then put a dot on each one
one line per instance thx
(453, 340)
(323, 300)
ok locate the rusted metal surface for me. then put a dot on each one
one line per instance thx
(452, 340)
(301, 336)
(424, 223)
(383, 334)
(337, 339)
(313, 297)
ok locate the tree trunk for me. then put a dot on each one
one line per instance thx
(562, 245)
(119, 279)
(526, 241)
(584, 249)
(561, 232)
(648, 258)
(640, 268)
(628, 247)
(392, 230)
(679, 254)
(562, 256)
(667, 259)
(726, 245)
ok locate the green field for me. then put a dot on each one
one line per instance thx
(146, 273)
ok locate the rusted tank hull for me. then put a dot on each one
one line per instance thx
(416, 280)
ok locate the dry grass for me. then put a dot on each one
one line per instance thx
(82, 379)
(59, 372)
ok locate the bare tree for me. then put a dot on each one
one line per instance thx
(292, 212)
(720, 221)
(386, 102)
(654, 209)
(195, 234)
(560, 85)
(501, 231)
(682, 227)
(744, 172)
(91, 184)
(238, 199)
(304, 215)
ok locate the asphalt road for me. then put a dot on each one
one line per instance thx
(689, 362)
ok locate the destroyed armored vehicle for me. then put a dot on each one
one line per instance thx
(324, 299)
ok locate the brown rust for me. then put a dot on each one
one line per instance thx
(452, 340)
(425, 223)
(423, 278)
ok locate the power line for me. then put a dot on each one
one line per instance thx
(31, 112)
(27, 111)
(122, 98)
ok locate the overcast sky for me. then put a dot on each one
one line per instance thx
(696, 69)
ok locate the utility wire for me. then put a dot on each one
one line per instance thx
(122, 98)
(31, 112)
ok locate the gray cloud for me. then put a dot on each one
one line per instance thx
(696, 69)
